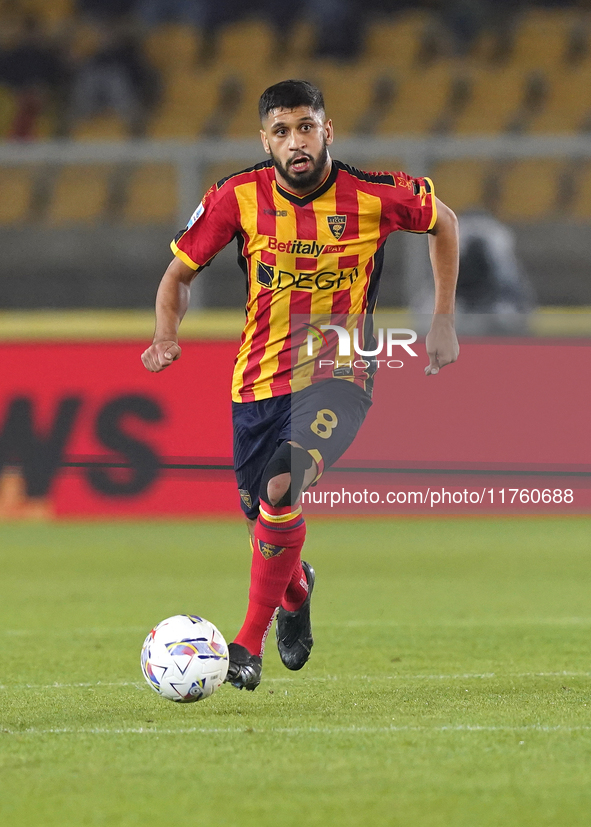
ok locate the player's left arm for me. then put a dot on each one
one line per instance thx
(442, 342)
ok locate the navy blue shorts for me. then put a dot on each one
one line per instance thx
(323, 418)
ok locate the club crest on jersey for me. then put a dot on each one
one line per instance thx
(337, 224)
(268, 550)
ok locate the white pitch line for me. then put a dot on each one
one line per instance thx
(91, 630)
(97, 685)
(337, 730)
(324, 679)
(460, 623)
(466, 676)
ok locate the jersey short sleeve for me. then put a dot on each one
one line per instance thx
(213, 225)
(410, 205)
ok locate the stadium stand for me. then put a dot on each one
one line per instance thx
(299, 43)
(8, 107)
(383, 164)
(405, 81)
(217, 172)
(52, 16)
(249, 43)
(151, 196)
(581, 202)
(106, 126)
(398, 42)
(173, 48)
(529, 189)
(413, 112)
(342, 84)
(82, 40)
(542, 38)
(236, 111)
(189, 99)
(567, 105)
(18, 181)
(80, 195)
(463, 183)
(494, 98)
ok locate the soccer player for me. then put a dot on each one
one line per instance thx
(310, 234)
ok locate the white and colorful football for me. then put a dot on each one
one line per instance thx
(185, 658)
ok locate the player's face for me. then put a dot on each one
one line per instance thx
(297, 141)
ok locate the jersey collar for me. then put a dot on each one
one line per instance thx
(302, 200)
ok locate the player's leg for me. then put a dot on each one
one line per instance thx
(324, 421)
(298, 587)
(250, 524)
(283, 493)
(294, 628)
(257, 433)
(278, 576)
(278, 538)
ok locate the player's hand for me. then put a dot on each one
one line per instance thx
(160, 355)
(442, 343)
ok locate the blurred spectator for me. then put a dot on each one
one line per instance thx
(282, 17)
(339, 27)
(117, 78)
(464, 21)
(493, 293)
(35, 71)
(105, 10)
(155, 12)
(207, 15)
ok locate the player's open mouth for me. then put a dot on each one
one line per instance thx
(300, 164)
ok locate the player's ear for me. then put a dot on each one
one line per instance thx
(329, 131)
(266, 146)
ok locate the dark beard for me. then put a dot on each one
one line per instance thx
(306, 180)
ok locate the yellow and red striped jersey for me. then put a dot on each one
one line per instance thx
(317, 255)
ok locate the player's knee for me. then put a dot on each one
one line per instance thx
(284, 475)
(277, 488)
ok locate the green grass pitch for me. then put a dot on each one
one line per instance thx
(449, 685)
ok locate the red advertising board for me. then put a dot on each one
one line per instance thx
(85, 430)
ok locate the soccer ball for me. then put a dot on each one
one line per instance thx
(185, 658)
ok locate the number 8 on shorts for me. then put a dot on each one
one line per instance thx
(324, 423)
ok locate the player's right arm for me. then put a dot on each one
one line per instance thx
(213, 224)
(172, 301)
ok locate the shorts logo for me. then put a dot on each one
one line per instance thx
(245, 497)
(337, 224)
(268, 550)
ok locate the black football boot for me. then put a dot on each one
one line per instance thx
(244, 669)
(294, 629)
